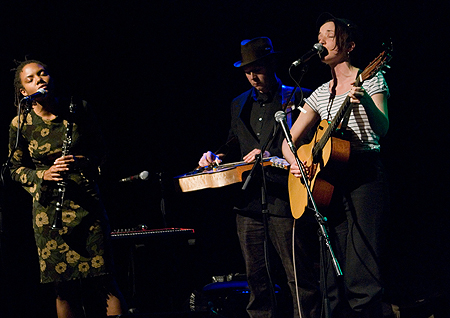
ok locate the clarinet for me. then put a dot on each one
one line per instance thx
(57, 222)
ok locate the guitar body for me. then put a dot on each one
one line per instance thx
(222, 175)
(335, 152)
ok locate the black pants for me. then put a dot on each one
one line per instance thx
(251, 236)
(357, 218)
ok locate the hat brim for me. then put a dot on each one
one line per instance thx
(240, 64)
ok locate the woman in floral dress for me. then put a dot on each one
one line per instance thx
(76, 258)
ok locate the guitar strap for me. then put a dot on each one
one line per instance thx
(347, 113)
(346, 118)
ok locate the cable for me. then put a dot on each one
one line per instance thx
(295, 270)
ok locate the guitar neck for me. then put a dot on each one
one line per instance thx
(241, 163)
(332, 127)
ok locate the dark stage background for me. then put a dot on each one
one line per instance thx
(160, 75)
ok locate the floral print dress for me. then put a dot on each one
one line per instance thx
(80, 249)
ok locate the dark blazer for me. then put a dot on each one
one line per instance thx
(246, 141)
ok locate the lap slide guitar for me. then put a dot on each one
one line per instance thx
(222, 175)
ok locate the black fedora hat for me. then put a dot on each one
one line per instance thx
(254, 50)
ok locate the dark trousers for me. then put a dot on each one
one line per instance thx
(357, 218)
(251, 236)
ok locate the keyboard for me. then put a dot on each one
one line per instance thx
(144, 232)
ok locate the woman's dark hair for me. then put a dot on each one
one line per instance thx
(345, 32)
(17, 80)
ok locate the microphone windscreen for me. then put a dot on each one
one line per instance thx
(280, 115)
(143, 175)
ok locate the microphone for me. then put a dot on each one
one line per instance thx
(40, 93)
(280, 116)
(317, 49)
(142, 176)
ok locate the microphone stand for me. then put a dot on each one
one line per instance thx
(324, 238)
(163, 198)
(265, 213)
(303, 71)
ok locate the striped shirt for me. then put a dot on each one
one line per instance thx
(363, 138)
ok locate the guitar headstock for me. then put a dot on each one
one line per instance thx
(279, 163)
(378, 63)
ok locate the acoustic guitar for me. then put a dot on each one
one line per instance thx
(221, 175)
(327, 152)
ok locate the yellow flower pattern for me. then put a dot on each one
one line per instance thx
(45, 253)
(45, 132)
(24, 178)
(29, 120)
(68, 216)
(33, 145)
(97, 261)
(33, 188)
(63, 248)
(42, 265)
(95, 227)
(40, 173)
(17, 154)
(61, 267)
(73, 205)
(20, 170)
(51, 245)
(44, 148)
(15, 122)
(41, 219)
(83, 267)
(72, 257)
(59, 259)
(64, 230)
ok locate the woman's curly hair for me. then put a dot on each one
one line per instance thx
(17, 80)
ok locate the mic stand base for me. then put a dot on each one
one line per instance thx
(324, 241)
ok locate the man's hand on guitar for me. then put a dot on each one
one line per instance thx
(251, 156)
(208, 159)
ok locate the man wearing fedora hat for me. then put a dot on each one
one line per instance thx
(252, 126)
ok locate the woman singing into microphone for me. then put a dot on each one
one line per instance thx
(75, 257)
(359, 207)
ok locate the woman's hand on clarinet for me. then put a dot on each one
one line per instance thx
(60, 166)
